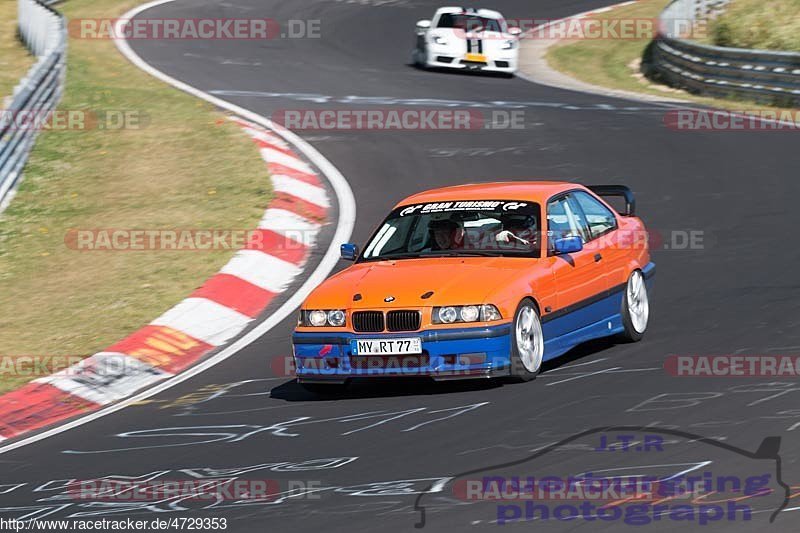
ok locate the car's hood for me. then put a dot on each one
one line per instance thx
(452, 281)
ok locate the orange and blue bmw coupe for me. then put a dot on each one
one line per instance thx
(484, 280)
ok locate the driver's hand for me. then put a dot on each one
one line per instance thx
(507, 236)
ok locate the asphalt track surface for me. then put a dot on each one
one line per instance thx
(738, 293)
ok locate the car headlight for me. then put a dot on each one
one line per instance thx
(439, 40)
(465, 313)
(489, 313)
(318, 318)
(336, 317)
(509, 45)
(469, 313)
(446, 315)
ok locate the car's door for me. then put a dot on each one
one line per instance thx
(603, 229)
(580, 277)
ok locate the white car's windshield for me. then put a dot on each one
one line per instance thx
(458, 228)
(469, 22)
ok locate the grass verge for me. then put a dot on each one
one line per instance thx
(14, 57)
(614, 63)
(185, 166)
(759, 24)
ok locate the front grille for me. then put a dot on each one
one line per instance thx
(368, 321)
(403, 320)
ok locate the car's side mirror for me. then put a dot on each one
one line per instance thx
(423, 24)
(513, 30)
(568, 245)
(349, 251)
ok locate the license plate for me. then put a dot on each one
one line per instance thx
(411, 345)
(478, 58)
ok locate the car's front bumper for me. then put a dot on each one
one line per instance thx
(507, 64)
(463, 353)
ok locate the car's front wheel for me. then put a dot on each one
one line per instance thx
(527, 342)
(635, 308)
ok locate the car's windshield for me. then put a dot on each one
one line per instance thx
(458, 228)
(469, 22)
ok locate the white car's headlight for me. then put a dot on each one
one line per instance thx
(465, 313)
(439, 40)
(509, 45)
(319, 318)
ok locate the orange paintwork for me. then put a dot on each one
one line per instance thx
(554, 282)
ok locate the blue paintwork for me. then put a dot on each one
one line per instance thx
(603, 317)
(348, 251)
(561, 335)
(568, 245)
(496, 348)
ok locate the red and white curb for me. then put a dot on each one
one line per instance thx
(211, 316)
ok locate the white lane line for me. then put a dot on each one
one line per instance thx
(262, 270)
(344, 228)
(205, 320)
(583, 376)
(304, 191)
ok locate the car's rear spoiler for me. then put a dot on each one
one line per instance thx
(617, 190)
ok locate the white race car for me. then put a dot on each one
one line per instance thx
(474, 39)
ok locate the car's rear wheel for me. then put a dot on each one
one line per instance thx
(635, 308)
(527, 342)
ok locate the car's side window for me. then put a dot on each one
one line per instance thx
(564, 220)
(598, 217)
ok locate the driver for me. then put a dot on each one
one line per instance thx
(448, 234)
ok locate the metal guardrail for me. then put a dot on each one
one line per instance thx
(44, 32)
(761, 75)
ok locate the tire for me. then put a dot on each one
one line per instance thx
(527, 342)
(635, 308)
(324, 389)
(418, 58)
